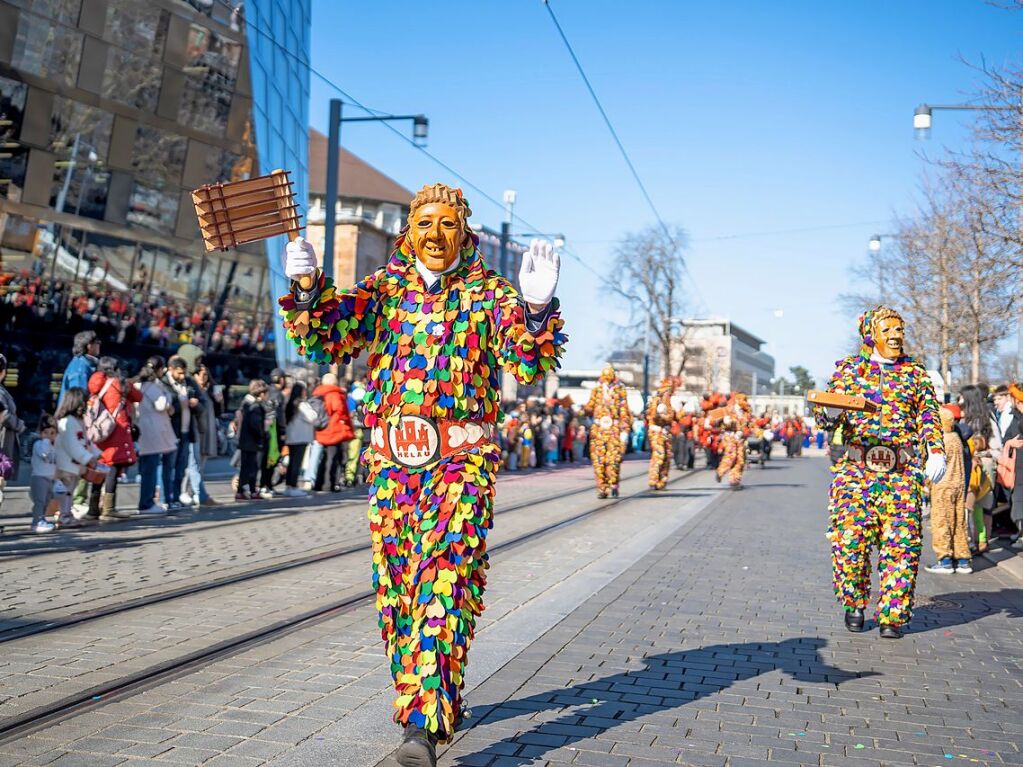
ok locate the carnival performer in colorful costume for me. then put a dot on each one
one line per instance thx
(735, 428)
(438, 325)
(659, 417)
(877, 486)
(612, 422)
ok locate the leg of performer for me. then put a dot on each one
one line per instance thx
(960, 535)
(852, 529)
(897, 499)
(599, 456)
(614, 463)
(727, 458)
(740, 463)
(942, 525)
(430, 588)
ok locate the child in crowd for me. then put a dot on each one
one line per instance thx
(74, 451)
(250, 421)
(44, 470)
(948, 507)
(550, 445)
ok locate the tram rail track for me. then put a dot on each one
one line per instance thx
(39, 627)
(134, 683)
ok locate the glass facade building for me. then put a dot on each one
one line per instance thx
(111, 112)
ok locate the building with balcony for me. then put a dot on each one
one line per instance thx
(111, 112)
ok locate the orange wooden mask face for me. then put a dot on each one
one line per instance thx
(889, 337)
(437, 234)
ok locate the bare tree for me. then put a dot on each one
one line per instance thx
(647, 273)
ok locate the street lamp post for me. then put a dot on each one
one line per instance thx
(923, 117)
(420, 130)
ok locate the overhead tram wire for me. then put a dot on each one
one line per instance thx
(359, 105)
(618, 142)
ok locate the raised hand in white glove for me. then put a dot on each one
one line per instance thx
(935, 468)
(538, 275)
(299, 259)
(624, 436)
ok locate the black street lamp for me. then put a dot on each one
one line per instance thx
(420, 131)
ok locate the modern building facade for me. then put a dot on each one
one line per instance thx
(721, 356)
(111, 112)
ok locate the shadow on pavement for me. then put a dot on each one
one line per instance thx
(945, 611)
(666, 681)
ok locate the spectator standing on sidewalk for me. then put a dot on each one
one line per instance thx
(211, 406)
(1013, 439)
(118, 398)
(157, 445)
(980, 425)
(275, 426)
(333, 437)
(11, 428)
(353, 447)
(300, 418)
(184, 421)
(44, 472)
(84, 362)
(251, 427)
(74, 452)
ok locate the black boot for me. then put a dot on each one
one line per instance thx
(854, 620)
(614, 491)
(891, 631)
(417, 749)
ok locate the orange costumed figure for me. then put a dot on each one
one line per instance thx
(659, 417)
(735, 428)
(612, 422)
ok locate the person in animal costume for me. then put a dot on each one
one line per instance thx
(735, 426)
(876, 490)
(439, 325)
(659, 416)
(612, 423)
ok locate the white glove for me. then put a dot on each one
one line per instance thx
(728, 420)
(624, 436)
(661, 410)
(299, 258)
(935, 468)
(538, 275)
(832, 412)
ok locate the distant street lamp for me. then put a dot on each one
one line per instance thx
(420, 131)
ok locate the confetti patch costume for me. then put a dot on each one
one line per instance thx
(735, 429)
(659, 417)
(434, 356)
(876, 494)
(611, 418)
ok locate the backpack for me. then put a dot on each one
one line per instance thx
(320, 408)
(100, 422)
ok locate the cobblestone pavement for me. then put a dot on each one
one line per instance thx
(52, 576)
(36, 672)
(666, 631)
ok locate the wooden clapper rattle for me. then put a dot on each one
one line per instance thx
(841, 401)
(238, 212)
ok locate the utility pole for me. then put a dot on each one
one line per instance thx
(502, 258)
(330, 202)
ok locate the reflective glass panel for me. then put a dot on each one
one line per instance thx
(47, 49)
(13, 158)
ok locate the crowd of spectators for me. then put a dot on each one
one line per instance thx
(139, 316)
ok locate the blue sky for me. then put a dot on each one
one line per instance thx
(742, 118)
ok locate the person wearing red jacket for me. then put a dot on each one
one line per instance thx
(119, 448)
(330, 441)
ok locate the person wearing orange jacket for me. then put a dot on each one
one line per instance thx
(327, 456)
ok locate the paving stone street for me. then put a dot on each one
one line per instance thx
(686, 627)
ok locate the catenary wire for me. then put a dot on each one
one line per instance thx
(620, 145)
